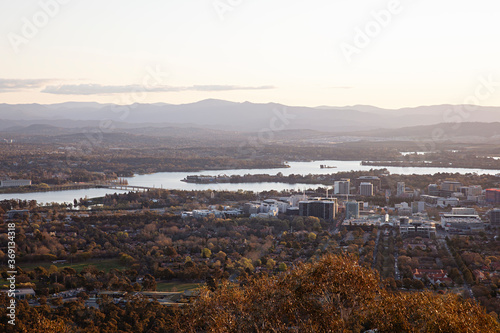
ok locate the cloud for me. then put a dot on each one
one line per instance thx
(341, 87)
(97, 89)
(7, 85)
(225, 88)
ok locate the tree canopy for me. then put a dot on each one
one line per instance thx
(334, 294)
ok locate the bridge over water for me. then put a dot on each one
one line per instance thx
(125, 187)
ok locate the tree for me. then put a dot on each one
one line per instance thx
(407, 283)
(334, 294)
(56, 301)
(270, 263)
(428, 312)
(149, 282)
(206, 253)
(469, 278)
(126, 259)
(310, 298)
(282, 267)
(417, 284)
(170, 251)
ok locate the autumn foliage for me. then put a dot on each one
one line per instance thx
(334, 294)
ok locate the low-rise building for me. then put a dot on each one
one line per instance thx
(462, 223)
(445, 202)
(370, 220)
(200, 213)
(403, 209)
(15, 182)
(434, 275)
(463, 211)
(17, 213)
(22, 293)
(417, 207)
(417, 227)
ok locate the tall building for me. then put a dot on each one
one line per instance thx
(374, 180)
(366, 189)
(493, 195)
(400, 189)
(494, 216)
(342, 186)
(451, 186)
(473, 190)
(417, 207)
(295, 199)
(324, 209)
(351, 210)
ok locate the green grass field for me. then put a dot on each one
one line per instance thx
(102, 264)
(169, 286)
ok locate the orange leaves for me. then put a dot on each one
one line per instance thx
(334, 294)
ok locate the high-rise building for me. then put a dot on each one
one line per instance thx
(366, 189)
(417, 207)
(494, 216)
(325, 209)
(400, 189)
(342, 186)
(450, 186)
(374, 180)
(351, 210)
(473, 190)
(492, 195)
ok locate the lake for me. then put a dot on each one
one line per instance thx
(172, 180)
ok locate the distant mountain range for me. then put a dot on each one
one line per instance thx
(209, 117)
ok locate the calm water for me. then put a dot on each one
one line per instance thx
(60, 196)
(172, 180)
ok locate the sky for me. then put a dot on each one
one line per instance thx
(390, 53)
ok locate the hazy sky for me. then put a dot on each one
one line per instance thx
(316, 52)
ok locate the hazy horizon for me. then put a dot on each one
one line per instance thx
(251, 102)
